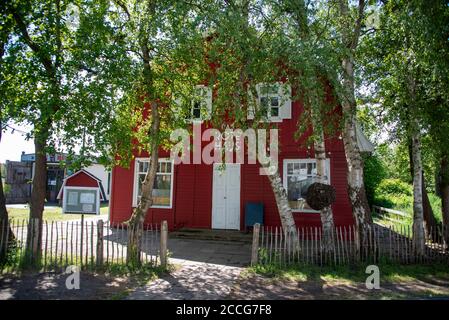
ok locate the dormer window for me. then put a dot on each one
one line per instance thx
(201, 105)
(195, 105)
(273, 103)
(270, 100)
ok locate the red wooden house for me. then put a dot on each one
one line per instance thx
(202, 196)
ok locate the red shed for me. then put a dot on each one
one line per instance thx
(82, 178)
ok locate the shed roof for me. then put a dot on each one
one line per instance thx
(100, 184)
(362, 141)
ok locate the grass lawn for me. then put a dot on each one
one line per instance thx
(51, 213)
(348, 282)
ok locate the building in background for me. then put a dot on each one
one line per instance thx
(18, 179)
(19, 175)
(55, 173)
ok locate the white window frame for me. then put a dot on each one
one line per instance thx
(308, 160)
(271, 118)
(205, 103)
(136, 177)
(284, 98)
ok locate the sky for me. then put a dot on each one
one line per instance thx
(13, 144)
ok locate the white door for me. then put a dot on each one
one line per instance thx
(226, 197)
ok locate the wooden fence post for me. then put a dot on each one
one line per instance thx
(255, 246)
(164, 236)
(36, 244)
(100, 243)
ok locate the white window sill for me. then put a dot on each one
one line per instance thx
(154, 207)
(304, 211)
(271, 120)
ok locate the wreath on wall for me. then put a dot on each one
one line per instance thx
(320, 195)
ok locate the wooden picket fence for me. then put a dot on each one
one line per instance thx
(88, 244)
(273, 245)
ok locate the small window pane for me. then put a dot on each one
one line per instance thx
(139, 184)
(274, 101)
(269, 89)
(196, 111)
(264, 102)
(275, 112)
(274, 89)
(162, 190)
(143, 166)
(297, 191)
(309, 168)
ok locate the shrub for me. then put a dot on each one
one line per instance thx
(396, 194)
(374, 172)
(394, 187)
(393, 193)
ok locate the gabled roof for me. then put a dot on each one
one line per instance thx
(100, 184)
(82, 171)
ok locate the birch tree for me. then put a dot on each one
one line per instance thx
(163, 40)
(305, 59)
(240, 34)
(407, 55)
(349, 22)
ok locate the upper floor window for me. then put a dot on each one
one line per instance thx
(273, 102)
(195, 105)
(270, 100)
(201, 104)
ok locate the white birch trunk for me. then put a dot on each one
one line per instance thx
(326, 214)
(418, 210)
(356, 187)
(285, 212)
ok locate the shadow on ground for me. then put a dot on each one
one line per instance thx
(227, 253)
(51, 286)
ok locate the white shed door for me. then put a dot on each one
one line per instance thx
(226, 197)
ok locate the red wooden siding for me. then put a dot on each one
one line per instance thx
(81, 180)
(192, 190)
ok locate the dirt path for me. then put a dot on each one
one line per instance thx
(198, 281)
(191, 280)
